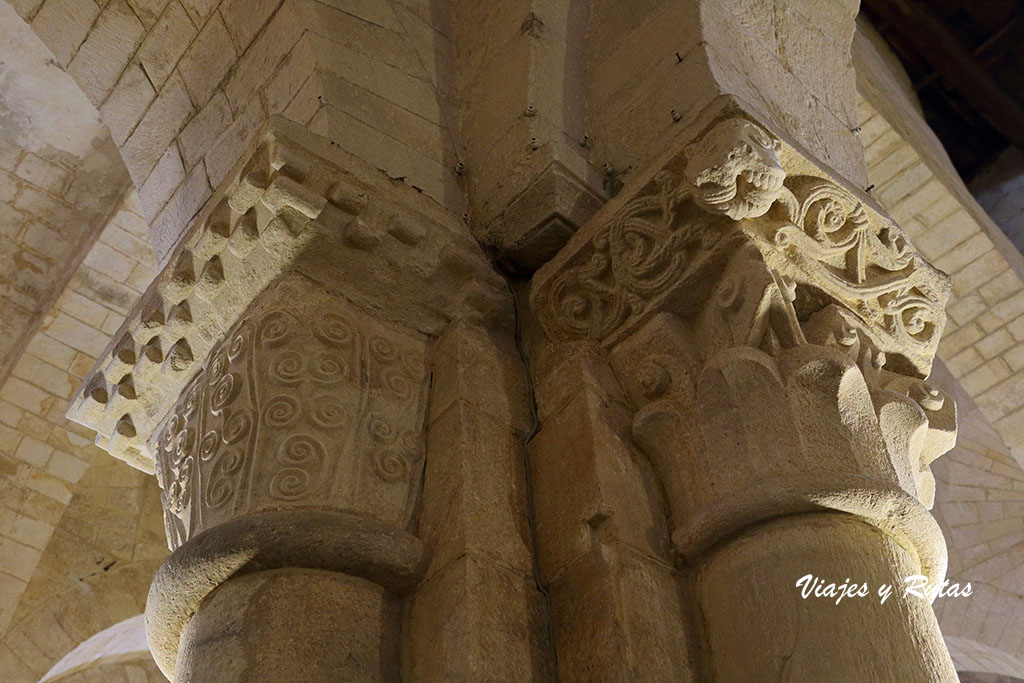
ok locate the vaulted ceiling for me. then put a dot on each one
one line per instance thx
(60, 177)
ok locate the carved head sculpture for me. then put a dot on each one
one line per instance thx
(735, 170)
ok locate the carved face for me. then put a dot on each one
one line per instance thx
(734, 169)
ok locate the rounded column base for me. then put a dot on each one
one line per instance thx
(339, 545)
(292, 625)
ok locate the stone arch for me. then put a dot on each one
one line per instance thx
(656, 65)
(980, 507)
(61, 178)
(979, 663)
(94, 573)
(185, 85)
(118, 653)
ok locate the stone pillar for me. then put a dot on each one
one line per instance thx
(744, 404)
(276, 378)
(292, 459)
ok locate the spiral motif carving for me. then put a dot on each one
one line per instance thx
(224, 393)
(281, 411)
(273, 330)
(289, 483)
(327, 369)
(287, 368)
(174, 426)
(209, 444)
(301, 449)
(193, 400)
(237, 426)
(380, 430)
(237, 348)
(183, 444)
(390, 466)
(218, 367)
(397, 382)
(302, 456)
(218, 492)
(328, 412)
(176, 492)
(825, 218)
(222, 484)
(332, 330)
(303, 405)
(382, 350)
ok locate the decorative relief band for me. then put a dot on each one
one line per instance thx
(306, 401)
(666, 246)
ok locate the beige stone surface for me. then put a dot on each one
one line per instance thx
(44, 458)
(500, 341)
(979, 490)
(264, 224)
(986, 312)
(733, 385)
(151, 67)
(60, 176)
(94, 570)
(792, 546)
(247, 629)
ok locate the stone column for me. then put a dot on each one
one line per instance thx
(276, 377)
(290, 467)
(744, 404)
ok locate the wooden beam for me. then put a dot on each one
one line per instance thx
(988, 50)
(954, 64)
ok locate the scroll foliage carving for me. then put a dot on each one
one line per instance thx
(308, 405)
(657, 245)
(828, 241)
(660, 250)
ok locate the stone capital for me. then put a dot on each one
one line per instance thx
(771, 330)
(275, 377)
(295, 205)
(674, 245)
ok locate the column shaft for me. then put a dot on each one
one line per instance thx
(760, 628)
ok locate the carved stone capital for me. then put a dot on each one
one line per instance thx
(771, 329)
(665, 246)
(734, 169)
(295, 204)
(749, 434)
(306, 402)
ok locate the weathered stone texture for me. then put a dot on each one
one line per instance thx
(43, 455)
(375, 462)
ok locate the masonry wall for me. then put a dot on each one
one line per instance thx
(999, 188)
(42, 454)
(980, 483)
(184, 85)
